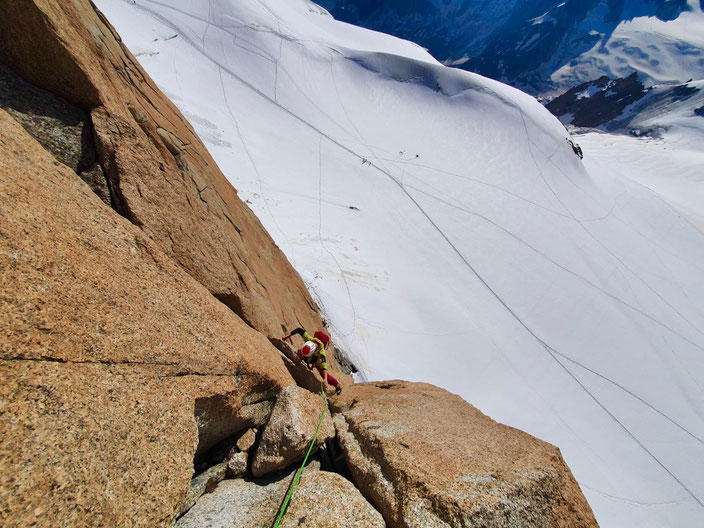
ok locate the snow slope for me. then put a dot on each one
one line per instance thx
(451, 236)
(670, 167)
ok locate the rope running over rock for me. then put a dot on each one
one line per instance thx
(284, 506)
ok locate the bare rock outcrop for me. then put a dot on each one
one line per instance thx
(161, 177)
(106, 346)
(131, 344)
(290, 430)
(322, 500)
(426, 458)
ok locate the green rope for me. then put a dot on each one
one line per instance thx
(284, 506)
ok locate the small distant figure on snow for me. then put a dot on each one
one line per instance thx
(575, 148)
(312, 353)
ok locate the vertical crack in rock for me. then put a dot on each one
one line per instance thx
(368, 475)
(234, 303)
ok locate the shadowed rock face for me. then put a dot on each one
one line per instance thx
(63, 129)
(425, 457)
(163, 178)
(105, 347)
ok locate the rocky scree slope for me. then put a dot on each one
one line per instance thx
(137, 347)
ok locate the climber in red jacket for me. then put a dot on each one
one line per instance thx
(313, 354)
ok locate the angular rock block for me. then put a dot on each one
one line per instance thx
(426, 458)
(290, 430)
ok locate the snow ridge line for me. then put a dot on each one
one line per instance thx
(442, 234)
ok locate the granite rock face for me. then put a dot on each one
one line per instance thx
(426, 458)
(135, 345)
(290, 430)
(160, 174)
(106, 345)
(321, 500)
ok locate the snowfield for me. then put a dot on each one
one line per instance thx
(450, 235)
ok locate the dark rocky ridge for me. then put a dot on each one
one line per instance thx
(607, 101)
(613, 104)
(519, 42)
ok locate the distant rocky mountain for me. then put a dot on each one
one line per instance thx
(525, 42)
(621, 104)
(546, 47)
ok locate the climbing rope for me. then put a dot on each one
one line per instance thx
(284, 506)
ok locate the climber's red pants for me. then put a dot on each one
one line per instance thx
(332, 381)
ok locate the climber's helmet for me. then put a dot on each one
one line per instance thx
(308, 349)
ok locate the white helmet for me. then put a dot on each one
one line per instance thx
(308, 348)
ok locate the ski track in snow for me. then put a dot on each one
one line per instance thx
(554, 352)
(379, 166)
(254, 167)
(322, 243)
(423, 212)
